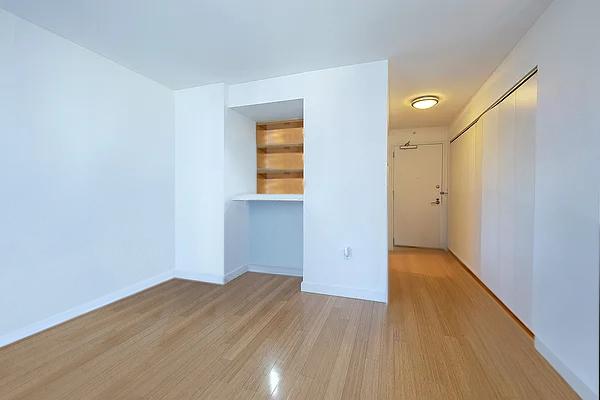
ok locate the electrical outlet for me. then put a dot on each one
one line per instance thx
(347, 252)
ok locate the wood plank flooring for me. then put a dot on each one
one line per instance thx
(440, 337)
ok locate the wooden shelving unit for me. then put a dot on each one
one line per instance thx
(280, 157)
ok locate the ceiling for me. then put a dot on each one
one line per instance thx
(276, 111)
(440, 47)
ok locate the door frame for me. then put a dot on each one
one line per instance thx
(394, 148)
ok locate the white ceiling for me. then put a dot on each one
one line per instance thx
(445, 47)
(276, 111)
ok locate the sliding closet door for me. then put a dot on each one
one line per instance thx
(525, 106)
(490, 202)
(457, 207)
(491, 198)
(465, 198)
(508, 146)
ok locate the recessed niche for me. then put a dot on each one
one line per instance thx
(280, 157)
(279, 146)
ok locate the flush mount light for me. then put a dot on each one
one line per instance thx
(425, 102)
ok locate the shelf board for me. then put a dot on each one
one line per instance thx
(293, 123)
(282, 175)
(292, 148)
(278, 171)
(269, 197)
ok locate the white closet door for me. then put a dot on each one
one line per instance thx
(506, 193)
(525, 107)
(475, 197)
(454, 197)
(491, 198)
(508, 161)
(490, 203)
(465, 197)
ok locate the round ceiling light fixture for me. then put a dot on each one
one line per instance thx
(425, 102)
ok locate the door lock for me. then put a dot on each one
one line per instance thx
(437, 201)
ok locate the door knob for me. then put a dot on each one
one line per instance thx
(437, 201)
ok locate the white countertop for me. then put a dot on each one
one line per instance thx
(269, 197)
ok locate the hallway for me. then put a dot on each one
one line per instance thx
(453, 340)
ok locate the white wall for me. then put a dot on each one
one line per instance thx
(398, 137)
(199, 182)
(345, 127)
(240, 178)
(86, 165)
(563, 43)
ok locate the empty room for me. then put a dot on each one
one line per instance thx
(326, 199)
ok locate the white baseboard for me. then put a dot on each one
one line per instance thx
(235, 273)
(344, 291)
(583, 390)
(85, 308)
(268, 269)
(200, 277)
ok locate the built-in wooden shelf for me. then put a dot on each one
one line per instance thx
(281, 148)
(280, 161)
(266, 137)
(280, 157)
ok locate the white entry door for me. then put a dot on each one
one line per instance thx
(417, 199)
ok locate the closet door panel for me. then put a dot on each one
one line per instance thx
(525, 107)
(506, 186)
(475, 197)
(456, 198)
(465, 198)
(490, 249)
(507, 194)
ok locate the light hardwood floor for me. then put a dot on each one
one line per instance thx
(440, 337)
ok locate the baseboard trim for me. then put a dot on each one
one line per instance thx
(199, 277)
(82, 309)
(235, 273)
(268, 269)
(583, 390)
(221, 280)
(485, 287)
(343, 291)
